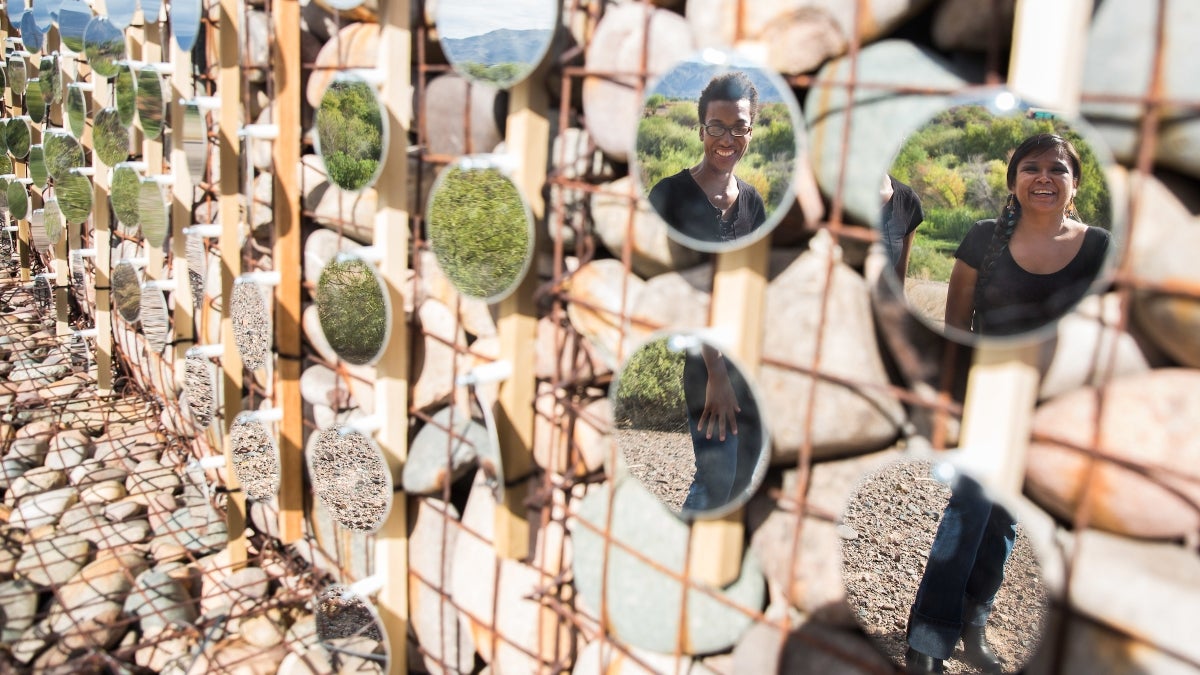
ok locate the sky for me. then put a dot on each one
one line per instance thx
(464, 18)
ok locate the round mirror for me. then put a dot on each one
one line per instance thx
(76, 109)
(353, 309)
(54, 220)
(350, 477)
(111, 137)
(126, 290)
(62, 152)
(195, 140)
(120, 12)
(251, 323)
(496, 48)
(6, 165)
(717, 149)
(929, 559)
(185, 22)
(985, 245)
(152, 212)
(18, 198)
(350, 632)
(480, 229)
(73, 18)
(37, 231)
(37, 165)
(31, 36)
(15, 9)
(104, 46)
(199, 386)
(125, 94)
(197, 264)
(74, 193)
(43, 14)
(156, 322)
(3, 136)
(688, 426)
(255, 457)
(35, 100)
(151, 10)
(17, 74)
(125, 194)
(4, 183)
(150, 101)
(50, 74)
(351, 137)
(17, 135)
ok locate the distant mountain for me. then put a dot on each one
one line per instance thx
(498, 46)
(687, 79)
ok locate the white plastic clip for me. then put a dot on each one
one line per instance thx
(203, 102)
(263, 416)
(261, 278)
(261, 131)
(137, 165)
(162, 67)
(161, 284)
(361, 425)
(86, 333)
(210, 462)
(164, 179)
(86, 252)
(203, 230)
(496, 371)
(207, 351)
(82, 86)
(12, 228)
(84, 170)
(364, 587)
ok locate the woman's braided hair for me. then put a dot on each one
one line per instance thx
(1006, 224)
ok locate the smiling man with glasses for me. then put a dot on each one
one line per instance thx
(707, 202)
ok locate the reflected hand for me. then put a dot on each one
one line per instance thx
(720, 406)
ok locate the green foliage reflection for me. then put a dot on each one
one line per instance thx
(350, 133)
(650, 389)
(350, 307)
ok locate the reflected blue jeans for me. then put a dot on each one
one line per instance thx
(716, 467)
(964, 570)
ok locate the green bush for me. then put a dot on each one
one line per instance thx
(650, 389)
(350, 307)
(350, 131)
(929, 260)
(502, 75)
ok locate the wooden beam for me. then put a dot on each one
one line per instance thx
(182, 200)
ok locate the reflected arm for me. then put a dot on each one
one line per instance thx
(720, 400)
(960, 298)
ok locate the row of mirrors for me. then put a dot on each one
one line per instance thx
(100, 38)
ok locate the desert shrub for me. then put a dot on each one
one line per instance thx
(650, 389)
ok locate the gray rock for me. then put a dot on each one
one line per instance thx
(103, 492)
(643, 604)
(1171, 322)
(601, 657)
(123, 510)
(198, 529)
(972, 24)
(605, 289)
(19, 600)
(160, 600)
(652, 251)
(436, 621)
(425, 470)
(149, 477)
(35, 480)
(12, 468)
(51, 562)
(44, 508)
(811, 649)
(68, 449)
(32, 450)
(113, 535)
(679, 300)
(1082, 351)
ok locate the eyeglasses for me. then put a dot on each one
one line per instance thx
(718, 130)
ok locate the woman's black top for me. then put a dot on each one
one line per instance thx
(685, 207)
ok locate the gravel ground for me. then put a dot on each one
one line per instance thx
(351, 479)
(199, 389)
(662, 460)
(255, 459)
(887, 533)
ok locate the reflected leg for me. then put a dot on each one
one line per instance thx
(716, 466)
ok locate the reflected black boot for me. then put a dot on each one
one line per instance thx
(916, 663)
(976, 651)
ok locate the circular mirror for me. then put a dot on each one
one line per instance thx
(350, 632)
(986, 245)
(17, 74)
(50, 74)
(54, 220)
(31, 36)
(126, 290)
(18, 198)
(62, 152)
(17, 135)
(929, 558)
(351, 138)
(151, 10)
(251, 323)
(480, 229)
(197, 264)
(74, 193)
(104, 46)
(120, 12)
(125, 94)
(43, 13)
(353, 309)
(35, 100)
(152, 212)
(73, 18)
(37, 231)
(156, 322)
(723, 176)
(150, 101)
(125, 194)
(496, 48)
(111, 137)
(6, 165)
(688, 426)
(185, 22)
(350, 477)
(195, 140)
(37, 165)
(76, 109)
(255, 457)
(3, 136)
(200, 387)
(4, 183)
(16, 11)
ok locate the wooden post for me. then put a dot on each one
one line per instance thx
(392, 375)
(285, 71)
(62, 284)
(182, 198)
(1002, 386)
(229, 88)
(150, 46)
(102, 235)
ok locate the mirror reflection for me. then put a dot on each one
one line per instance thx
(126, 290)
(255, 457)
(197, 264)
(151, 10)
(35, 100)
(73, 18)
(350, 477)
(931, 562)
(351, 137)
(5, 179)
(185, 22)
(480, 229)
(37, 231)
(18, 198)
(63, 153)
(353, 309)
(17, 74)
(111, 136)
(53, 219)
(43, 14)
(31, 36)
(51, 76)
(104, 46)
(350, 631)
(125, 94)
(496, 48)
(17, 136)
(74, 193)
(37, 166)
(156, 322)
(997, 223)
(199, 386)
(76, 109)
(152, 212)
(688, 426)
(125, 194)
(120, 12)
(195, 140)
(716, 151)
(150, 101)
(15, 9)
(251, 323)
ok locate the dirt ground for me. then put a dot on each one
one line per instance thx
(892, 520)
(662, 460)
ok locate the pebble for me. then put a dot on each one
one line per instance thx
(846, 532)
(52, 561)
(652, 251)
(425, 471)
(44, 508)
(437, 624)
(35, 480)
(103, 492)
(68, 449)
(159, 600)
(19, 599)
(148, 476)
